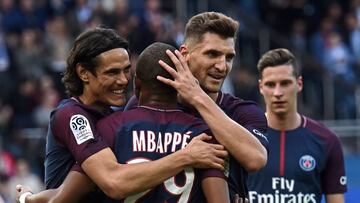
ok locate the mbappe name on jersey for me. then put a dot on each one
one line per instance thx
(150, 141)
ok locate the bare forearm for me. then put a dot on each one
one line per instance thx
(75, 186)
(215, 190)
(147, 175)
(334, 198)
(41, 197)
(119, 181)
(245, 147)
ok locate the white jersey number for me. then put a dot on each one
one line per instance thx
(170, 185)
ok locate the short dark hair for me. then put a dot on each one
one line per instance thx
(278, 57)
(85, 51)
(148, 68)
(212, 22)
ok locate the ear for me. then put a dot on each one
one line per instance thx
(260, 86)
(299, 82)
(82, 73)
(184, 50)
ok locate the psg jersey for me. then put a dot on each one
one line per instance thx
(303, 164)
(246, 113)
(71, 130)
(144, 134)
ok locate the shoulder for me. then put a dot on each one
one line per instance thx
(242, 111)
(68, 107)
(319, 129)
(70, 111)
(229, 102)
(113, 118)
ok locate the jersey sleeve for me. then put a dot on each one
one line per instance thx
(253, 119)
(77, 132)
(206, 173)
(77, 167)
(333, 177)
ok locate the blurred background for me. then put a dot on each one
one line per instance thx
(35, 37)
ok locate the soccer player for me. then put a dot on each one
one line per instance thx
(306, 158)
(239, 125)
(96, 77)
(154, 129)
(98, 70)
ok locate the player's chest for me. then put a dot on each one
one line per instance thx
(298, 155)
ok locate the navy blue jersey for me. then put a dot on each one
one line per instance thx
(145, 134)
(249, 115)
(71, 130)
(303, 164)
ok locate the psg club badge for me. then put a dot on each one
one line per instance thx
(307, 163)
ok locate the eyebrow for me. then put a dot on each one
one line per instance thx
(129, 66)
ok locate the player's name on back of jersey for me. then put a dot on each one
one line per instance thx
(150, 141)
(282, 191)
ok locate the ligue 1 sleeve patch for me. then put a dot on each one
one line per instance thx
(81, 129)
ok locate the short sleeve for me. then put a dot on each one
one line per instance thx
(76, 130)
(254, 120)
(206, 173)
(333, 176)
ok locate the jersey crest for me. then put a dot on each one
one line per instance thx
(307, 163)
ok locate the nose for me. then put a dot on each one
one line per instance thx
(221, 64)
(278, 91)
(122, 79)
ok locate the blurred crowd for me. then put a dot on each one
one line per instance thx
(330, 32)
(36, 35)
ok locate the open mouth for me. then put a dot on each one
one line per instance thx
(118, 92)
(217, 77)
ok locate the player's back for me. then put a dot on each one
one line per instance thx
(145, 134)
(244, 112)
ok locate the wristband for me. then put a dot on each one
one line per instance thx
(23, 196)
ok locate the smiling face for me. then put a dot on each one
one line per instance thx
(210, 60)
(108, 86)
(280, 87)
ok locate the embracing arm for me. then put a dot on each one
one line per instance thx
(121, 180)
(215, 190)
(74, 187)
(244, 146)
(41, 197)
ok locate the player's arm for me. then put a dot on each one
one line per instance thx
(74, 187)
(244, 146)
(333, 177)
(215, 190)
(334, 198)
(121, 180)
(25, 194)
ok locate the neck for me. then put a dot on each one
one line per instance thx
(158, 101)
(213, 96)
(288, 121)
(91, 101)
